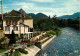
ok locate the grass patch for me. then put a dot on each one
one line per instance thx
(3, 50)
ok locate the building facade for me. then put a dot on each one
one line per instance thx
(20, 22)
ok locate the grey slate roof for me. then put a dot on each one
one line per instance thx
(16, 15)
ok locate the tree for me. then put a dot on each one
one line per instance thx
(54, 17)
(49, 17)
(12, 38)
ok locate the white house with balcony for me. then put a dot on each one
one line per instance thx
(20, 22)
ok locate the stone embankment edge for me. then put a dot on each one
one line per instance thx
(33, 51)
(46, 43)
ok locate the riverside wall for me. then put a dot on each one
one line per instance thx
(32, 51)
(48, 41)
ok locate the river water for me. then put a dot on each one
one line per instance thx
(67, 44)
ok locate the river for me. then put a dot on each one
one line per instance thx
(66, 44)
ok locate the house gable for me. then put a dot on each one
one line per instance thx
(16, 15)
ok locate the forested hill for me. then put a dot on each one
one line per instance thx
(38, 15)
(73, 16)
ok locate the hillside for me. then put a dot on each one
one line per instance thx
(73, 16)
(38, 15)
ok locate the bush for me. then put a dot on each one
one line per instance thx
(12, 38)
(30, 43)
(16, 53)
(38, 44)
(3, 50)
(26, 41)
(3, 46)
(49, 33)
(22, 51)
(15, 45)
(2, 39)
(57, 30)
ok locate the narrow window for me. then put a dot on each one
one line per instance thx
(15, 28)
(7, 28)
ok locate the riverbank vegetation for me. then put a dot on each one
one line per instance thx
(46, 24)
(73, 23)
(55, 31)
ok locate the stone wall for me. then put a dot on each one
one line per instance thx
(48, 41)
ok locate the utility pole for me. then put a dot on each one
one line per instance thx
(2, 8)
(1, 25)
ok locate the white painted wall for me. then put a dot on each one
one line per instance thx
(22, 30)
(29, 22)
(26, 29)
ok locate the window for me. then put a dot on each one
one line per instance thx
(15, 28)
(7, 28)
(14, 23)
(8, 22)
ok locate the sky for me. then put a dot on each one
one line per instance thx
(48, 7)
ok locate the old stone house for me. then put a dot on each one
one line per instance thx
(20, 22)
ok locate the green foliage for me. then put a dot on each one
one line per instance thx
(44, 24)
(2, 39)
(15, 45)
(30, 43)
(3, 50)
(17, 38)
(16, 53)
(69, 23)
(22, 51)
(3, 46)
(74, 23)
(61, 22)
(51, 33)
(53, 24)
(38, 44)
(12, 38)
(57, 30)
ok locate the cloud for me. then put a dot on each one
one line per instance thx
(24, 4)
(5, 7)
(68, 9)
(58, 7)
(43, 0)
(73, 6)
